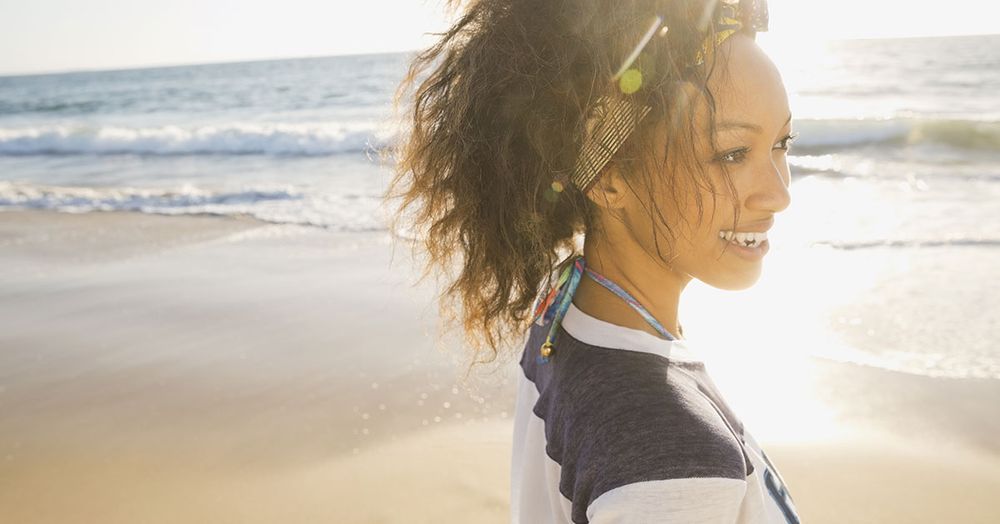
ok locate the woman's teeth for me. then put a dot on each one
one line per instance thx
(748, 239)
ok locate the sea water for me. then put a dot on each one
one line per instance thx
(895, 174)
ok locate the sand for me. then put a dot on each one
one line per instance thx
(212, 369)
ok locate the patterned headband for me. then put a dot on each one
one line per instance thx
(614, 119)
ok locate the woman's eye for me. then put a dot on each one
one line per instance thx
(787, 141)
(738, 155)
(733, 157)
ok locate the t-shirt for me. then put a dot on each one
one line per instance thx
(621, 426)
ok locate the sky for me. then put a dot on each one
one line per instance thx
(71, 35)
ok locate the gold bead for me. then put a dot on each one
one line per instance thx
(546, 349)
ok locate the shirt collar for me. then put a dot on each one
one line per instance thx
(596, 332)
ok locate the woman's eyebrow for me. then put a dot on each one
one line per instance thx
(726, 124)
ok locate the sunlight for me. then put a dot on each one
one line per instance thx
(797, 22)
(772, 379)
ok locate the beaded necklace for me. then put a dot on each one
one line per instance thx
(562, 296)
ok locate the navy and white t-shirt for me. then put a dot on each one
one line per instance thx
(621, 426)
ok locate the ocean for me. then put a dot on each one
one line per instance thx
(896, 173)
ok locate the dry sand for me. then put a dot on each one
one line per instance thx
(209, 369)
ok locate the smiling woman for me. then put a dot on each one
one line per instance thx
(532, 124)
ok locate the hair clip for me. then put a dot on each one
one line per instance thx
(614, 117)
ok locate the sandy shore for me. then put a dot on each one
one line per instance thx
(209, 369)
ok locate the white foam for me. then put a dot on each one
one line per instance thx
(271, 203)
(230, 138)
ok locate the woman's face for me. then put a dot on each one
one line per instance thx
(753, 122)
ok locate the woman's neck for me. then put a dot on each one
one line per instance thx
(658, 289)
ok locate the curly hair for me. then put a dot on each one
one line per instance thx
(496, 118)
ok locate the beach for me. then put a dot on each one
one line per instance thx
(203, 317)
(223, 369)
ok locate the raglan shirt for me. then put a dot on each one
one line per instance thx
(623, 427)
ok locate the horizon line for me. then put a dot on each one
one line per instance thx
(168, 65)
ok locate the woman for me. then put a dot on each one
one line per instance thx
(537, 123)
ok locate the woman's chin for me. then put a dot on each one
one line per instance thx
(740, 267)
(736, 278)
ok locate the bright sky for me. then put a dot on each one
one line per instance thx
(64, 35)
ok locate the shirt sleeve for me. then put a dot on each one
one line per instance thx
(695, 500)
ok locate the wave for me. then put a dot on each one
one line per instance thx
(134, 199)
(273, 204)
(949, 242)
(823, 135)
(324, 139)
(49, 106)
(229, 139)
(908, 363)
(800, 171)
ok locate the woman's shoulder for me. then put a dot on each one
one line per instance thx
(621, 423)
(631, 415)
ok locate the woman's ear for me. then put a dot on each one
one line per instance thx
(609, 191)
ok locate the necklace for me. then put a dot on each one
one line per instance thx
(562, 296)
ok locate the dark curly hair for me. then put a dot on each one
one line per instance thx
(495, 119)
